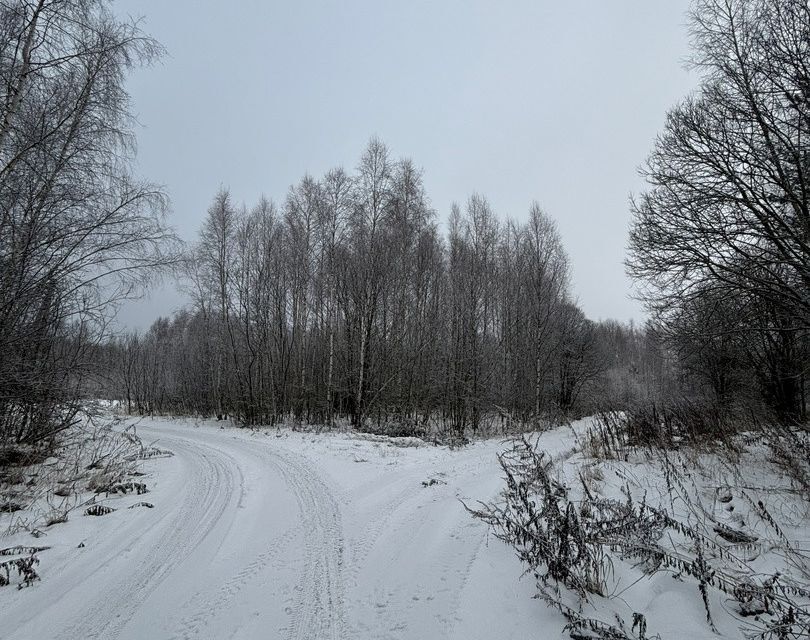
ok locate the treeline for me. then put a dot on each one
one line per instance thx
(347, 302)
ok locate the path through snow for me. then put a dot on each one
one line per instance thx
(287, 535)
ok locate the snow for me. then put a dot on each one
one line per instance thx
(289, 535)
(286, 534)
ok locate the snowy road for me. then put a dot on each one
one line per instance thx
(285, 535)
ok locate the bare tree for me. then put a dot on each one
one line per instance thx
(726, 214)
(337, 190)
(369, 267)
(77, 230)
(545, 265)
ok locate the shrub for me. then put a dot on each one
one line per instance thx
(662, 425)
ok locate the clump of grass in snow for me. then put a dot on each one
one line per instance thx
(24, 566)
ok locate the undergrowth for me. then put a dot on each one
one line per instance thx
(96, 458)
(572, 542)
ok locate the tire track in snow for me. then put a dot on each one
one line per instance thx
(211, 485)
(421, 593)
(317, 608)
(210, 605)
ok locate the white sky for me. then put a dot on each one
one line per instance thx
(557, 101)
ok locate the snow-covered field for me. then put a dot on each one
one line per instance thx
(282, 534)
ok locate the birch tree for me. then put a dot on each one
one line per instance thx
(77, 230)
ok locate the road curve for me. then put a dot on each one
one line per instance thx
(244, 540)
(278, 534)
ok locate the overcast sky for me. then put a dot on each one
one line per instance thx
(555, 101)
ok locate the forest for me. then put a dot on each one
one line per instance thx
(353, 299)
(347, 303)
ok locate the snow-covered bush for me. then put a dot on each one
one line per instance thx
(543, 525)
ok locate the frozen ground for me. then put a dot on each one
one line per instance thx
(285, 535)
(291, 535)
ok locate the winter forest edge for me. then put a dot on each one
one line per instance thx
(350, 308)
